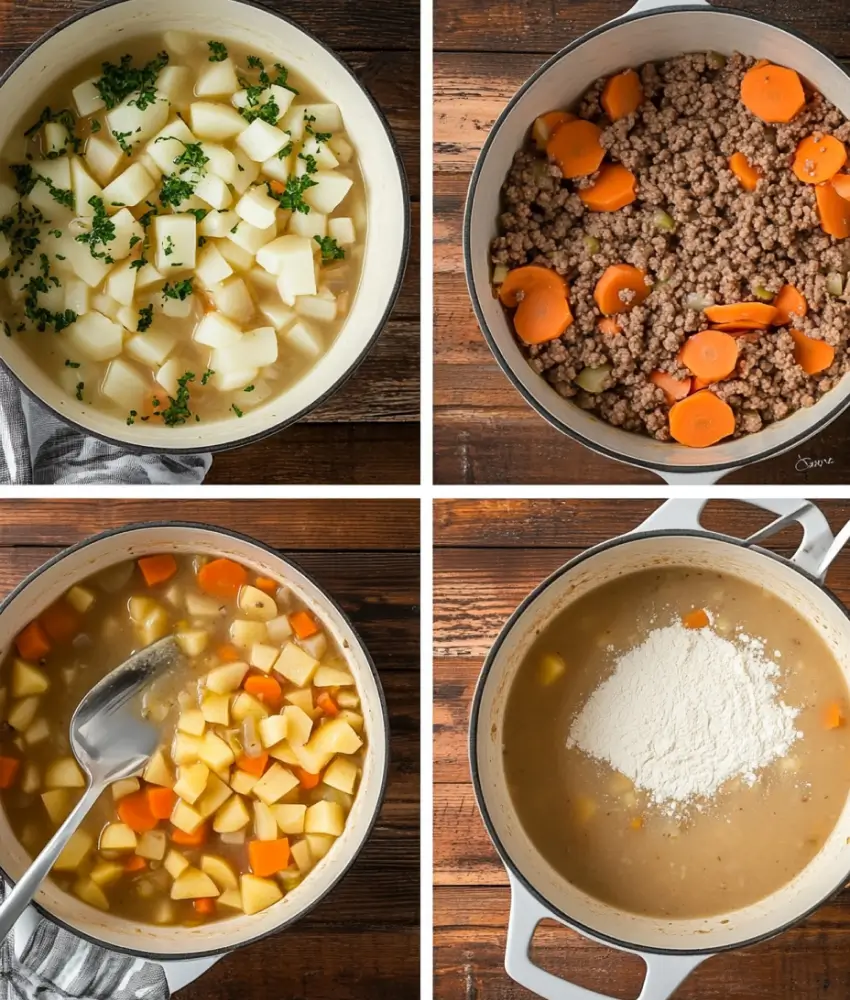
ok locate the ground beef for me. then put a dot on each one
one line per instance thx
(727, 243)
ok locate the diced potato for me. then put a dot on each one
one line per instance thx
(325, 817)
(212, 268)
(259, 893)
(342, 230)
(222, 163)
(260, 140)
(341, 774)
(354, 719)
(302, 698)
(90, 892)
(138, 124)
(316, 307)
(125, 386)
(244, 633)
(320, 844)
(312, 225)
(335, 736)
(102, 158)
(247, 171)
(215, 121)
(279, 629)
(158, 771)
(214, 796)
(192, 781)
(247, 706)
(217, 225)
(341, 148)
(215, 753)
(237, 837)
(347, 699)
(95, 336)
(290, 818)
(304, 339)
(202, 606)
(232, 816)
(151, 348)
(330, 190)
(85, 187)
(129, 188)
(192, 883)
(152, 845)
(64, 773)
(257, 207)
(215, 192)
(117, 837)
(175, 238)
(30, 779)
(250, 238)
(186, 749)
(219, 871)
(301, 856)
(185, 817)
(243, 782)
(217, 331)
(215, 708)
(273, 730)
(295, 665)
(177, 83)
(74, 852)
(231, 898)
(292, 255)
(87, 97)
(263, 657)
(232, 298)
(106, 872)
(37, 732)
(316, 645)
(265, 825)
(77, 299)
(239, 259)
(193, 642)
(58, 802)
(299, 725)
(227, 381)
(332, 677)
(216, 80)
(257, 604)
(29, 680)
(274, 784)
(175, 863)
(283, 752)
(226, 678)
(147, 276)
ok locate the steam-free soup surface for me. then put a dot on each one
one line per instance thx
(606, 836)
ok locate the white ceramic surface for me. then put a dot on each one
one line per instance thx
(670, 948)
(659, 30)
(117, 24)
(169, 943)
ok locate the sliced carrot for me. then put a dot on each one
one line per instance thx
(546, 125)
(742, 326)
(701, 420)
(700, 383)
(841, 183)
(205, 906)
(194, 839)
(738, 312)
(267, 585)
(710, 354)
(521, 281)
(267, 857)
(158, 569)
(265, 688)
(253, 765)
(576, 148)
(307, 780)
(222, 578)
(696, 619)
(790, 304)
(673, 388)
(135, 864)
(161, 801)
(833, 210)
(542, 315)
(135, 811)
(622, 94)
(228, 654)
(748, 175)
(327, 704)
(277, 186)
(620, 287)
(772, 93)
(818, 158)
(33, 643)
(9, 767)
(608, 325)
(833, 717)
(303, 624)
(812, 355)
(60, 621)
(613, 189)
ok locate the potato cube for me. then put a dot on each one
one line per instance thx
(176, 241)
(219, 871)
(301, 856)
(90, 892)
(215, 753)
(231, 816)
(127, 231)
(244, 633)
(332, 677)
(217, 225)
(239, 259)
(232, 298)
(325, 817)
(192, 721)
(215, 708)
(74, 852)
(222, 163)
(216, 331)
(335, 736)
(341, 148)
(320, 844)
(354, 719)
(193, 642)
(29, 680)
(102, 158)
(215, 121)
(226, 678)
(129, 188)
(175, 863)
(312, 225)
(279, 629)
(212, 268)
(263, 657)
(257, 349)
(246, 705)
(106, 872)
(259, 893)
(186, 749)
(265, 825)
(135, 123)
(64, 773)
(330, 190)
(290, 818)
(58, 802)
(87, 97)
(231, 898)
(316, 645)
(37, 732)
(121, 283)
(125, 386)
(192, 883)
(303, 699)
(177, 83)
(22, 714)
(274, 784)
(192, 781)
(147, 276)
(152, 845)
(293, 254)
(260, 140)
(295, 665)
(214, 191)
(342, 230)
(158, 771)
(243, 782)
(278, 169)
(317, 307)
(272, 730)
(249, 237)
(249, 172)
(283, 752)
(117, 837)
(202, 606)
(216, 80)
(227, 381)
(348, 699)
(258, 207)
(323, 116)
(85, 187)
(215, 795)
(185, 817)
(95, 337)
(342, 775)
(30, 779)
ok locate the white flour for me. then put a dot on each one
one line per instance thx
(686, 711)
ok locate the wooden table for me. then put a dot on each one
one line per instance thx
(368, 432)
(488, 555)
(362, 942)
(484, 431)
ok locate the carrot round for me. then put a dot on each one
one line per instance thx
(748, 175)
(834, 211)
(521, 281)
(673, 388)
(267, 857)
(622, 94)
(205, 906)
(790, 304)
(227, 653)
(265, 688)
(620, 287)
(841, 183)
(135, 811)
(700, 383)
(818, 158)
(161, 801)
(546, 125)
(222, 578)
(303, 624)
(307, 779)
(267, 585)
(742, 326)
(158, 569)
(9, 767)
(696, 619)
(710, 354)
(253, 765)
(194, 839)
(614, 188)
(701, 420)
(812, 355)
(135, 864)
(772, 93)
(543, 315)
(33, 643)
(576, 148)
(608, 325)
(754, 312)
(277, 186)
(327, 704)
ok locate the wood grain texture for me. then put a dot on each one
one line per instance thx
(484, 432)
(361, 943)
(368, 432)
(488, 555)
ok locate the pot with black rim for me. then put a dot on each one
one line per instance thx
(185, 952)
(650, 31)
(671, 949)
(244, 22)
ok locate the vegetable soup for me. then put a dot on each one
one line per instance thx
(262, 746)
(181, 230)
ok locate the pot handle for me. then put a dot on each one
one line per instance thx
(685, 514)
(664, 973)
(180, 974)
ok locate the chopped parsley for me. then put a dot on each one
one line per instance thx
(192, 156)
(321, 137)
(199, 213)
(236, 410)
(287, 149)
(169, 246)
(178, 412)
(65, 118)
(23, 233)
(268, 112)
(292, 198)
(248, 388)
(331, 250)
(63, 196)
(208, 374)
(72, 364)
(119, 81)
(310, 160)
(174, 190)
(79, 392)
(179, 290)
(121, 139)
(55, 232)
(25, 177)
(96, 126)
(41, 316)
(134, 240)
(255, 62)
(218, 51)
(102, 231)
(145, 319)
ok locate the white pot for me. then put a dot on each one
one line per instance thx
(652, 30)
(670, 948)
(117, 22)
(177, 944)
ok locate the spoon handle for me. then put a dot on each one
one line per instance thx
(20, 897)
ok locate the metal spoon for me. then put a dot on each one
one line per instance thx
(111, 740)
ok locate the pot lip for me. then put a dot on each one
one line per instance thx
(487, 666)
(164, 449)
(531, 398)
(382, 706)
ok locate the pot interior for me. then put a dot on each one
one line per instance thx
(386, 204)
(170, 941)
(825, 873)
(660, 35)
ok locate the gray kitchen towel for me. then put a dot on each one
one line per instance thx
(38, 449)
(56, 965)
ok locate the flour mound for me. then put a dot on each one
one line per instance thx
(684, 712)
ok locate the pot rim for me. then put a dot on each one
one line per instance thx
(530, 398)
(382, 706)
(144, 449)
(483, 676)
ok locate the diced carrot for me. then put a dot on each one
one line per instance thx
(701, 420)
(204, 906)
(267, 857)
(265, 688)
(267, 585)
(546, 125)
(161, 801)
(773, 93)
(277, 186)
(543, 315)
(696, 619)
(622, 94)
(576, 148)
(833, 717)
(253, 765)
(790, 304)
(307, 780)
(672, 387)
(620, 288)
(303, 624)
(227, 653)
(710, 354)
(613, 189)
(700, 383)
(33, 643)
(738, 312)
(60, 621)
(158, 569)
(135, 864)
(818, 158)
(522, 281)
(9, 767)
(748, 175)
(608, 325)
(194, 839)
(222, 578)
(135, 811)
(812, 355)
(636, 823)
(327, 704)
(841, 183)
(833, 211)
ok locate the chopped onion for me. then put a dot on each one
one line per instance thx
(592, 244)
(663, 220)
(697, 301)
(593, 380)
(715, 60)
(500, 272)
(762, 294)
(250, 740)
(835, 283)
(540, 171)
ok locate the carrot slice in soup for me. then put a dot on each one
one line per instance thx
(521, 281)
(222, 578)
(307, 779)
(701, 420)
(833, 210)
(135, 811)
(833, 717)
(576, 148)
(542, 315)
(60, 621)
(303, 624)
(612, 190)
(194, 839)
(267, 857)
(812, 355)
(267, 585)
(735, 312)
(265, 688)
(9, 767)
(546, 125)
(135, 864)
(819, 158)
(158, 569)
(620, 287)
(622, 94)
(841, 183)
(710, 354)
(790, 304)
(748, 175)
(253, 765)
(204, 906)
(161, 801)
(673, 388)
(228, 654)
(772, 93)
(696, 619)
(327, 704)
(33, 643)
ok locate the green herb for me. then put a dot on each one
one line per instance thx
(310, 160)
(145, 319)
(208, 374)
(137, 265)
(119, 81)
(192, 156)
(72, 364)
(145, 220)
(287, 149)
(218, 51)
(79, 393)
(268, 112)
(292, 198)
(174, 190)
(63, 196)
(169, 246)
(134, 240)
(45, 264)
(179, 290)
(178, 412)
(255, 62)
(65, 118)
(199, 213)
(281, 78)
(132, 418)
(61, 256)
(55, 232)
(236, 410)
(121, 139)
(39, 315)
(321, 137)
(248, 388)
(102, 231)
(96, 126)
(331, 250)
(25, 178)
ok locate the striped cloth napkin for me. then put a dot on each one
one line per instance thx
(36, 448)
